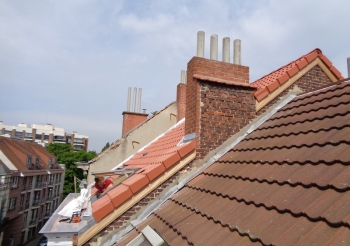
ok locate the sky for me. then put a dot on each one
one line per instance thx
(70, 63)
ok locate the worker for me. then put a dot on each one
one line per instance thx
(102, 184)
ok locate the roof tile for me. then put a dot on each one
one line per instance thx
(119, 194)
(136, 182)
(102, 207)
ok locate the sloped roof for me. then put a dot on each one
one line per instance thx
(17, 151)
(117, 143)
(288, 182)
(152, 161)
(273, 80)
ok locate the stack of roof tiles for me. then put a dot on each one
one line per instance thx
(273, 80)
(287, 183)
(152, 162)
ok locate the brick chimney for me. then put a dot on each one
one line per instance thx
(219, 101)
(132, 119)
(181, 97)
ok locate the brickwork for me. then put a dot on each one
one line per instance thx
(313, 80)
(132, 119)
(225, 109)
(181, 101)
(216, 111)
(124, 220)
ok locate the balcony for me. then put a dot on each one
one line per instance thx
(38, 185)
(47, 213)
(49, 198)
(21, 206)
(27, 205)
(32, 221)
(51, 182)
(36, 202)
(30, 186)
(24, 187)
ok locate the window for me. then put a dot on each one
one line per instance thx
(50, 162)
(78, 140)
(37, 161)
(18, 134)
(46, 137)
(28, 135)
(8, 132)
(29, 162)
(38, 136)
(12, 203)
(21, 201)
(14, 182)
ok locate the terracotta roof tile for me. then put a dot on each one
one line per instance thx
(102, 207)
(119, 194)
(152, 162)
(273, 80)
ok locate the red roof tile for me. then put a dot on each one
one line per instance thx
(273, 80)
(152, 162)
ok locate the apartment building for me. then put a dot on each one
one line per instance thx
(5, 175)
(44, 135)
(35, 188)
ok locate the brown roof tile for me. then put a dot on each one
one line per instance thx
(287, 183)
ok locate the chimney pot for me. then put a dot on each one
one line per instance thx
(214, 47)
(226, 49)
(200, 43)
(237, 51)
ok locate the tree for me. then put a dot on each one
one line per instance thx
(106, 146)
(66, 155)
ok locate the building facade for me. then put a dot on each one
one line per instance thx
(35, 188)
(44, 135)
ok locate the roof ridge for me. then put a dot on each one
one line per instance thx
(270, 82)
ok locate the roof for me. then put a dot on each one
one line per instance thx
(117, 143)
(288, 182)
(17, 152)
(151, 162)
(273, 80)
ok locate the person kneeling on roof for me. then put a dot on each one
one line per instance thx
(102, 184)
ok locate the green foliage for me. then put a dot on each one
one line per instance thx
(106, 146)
(66, 155)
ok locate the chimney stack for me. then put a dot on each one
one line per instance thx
(181, 96)
(219, 98)
(132, 119)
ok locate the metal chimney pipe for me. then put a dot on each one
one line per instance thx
(139, 104)
(200, 43)
(134, 103)
(129, 98)
(226, 49)
(183, 77)
(214, 47)
(348, 67)
(237, 51)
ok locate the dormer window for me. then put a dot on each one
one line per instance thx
(29, 162)
(50, 162)
(56, 162)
